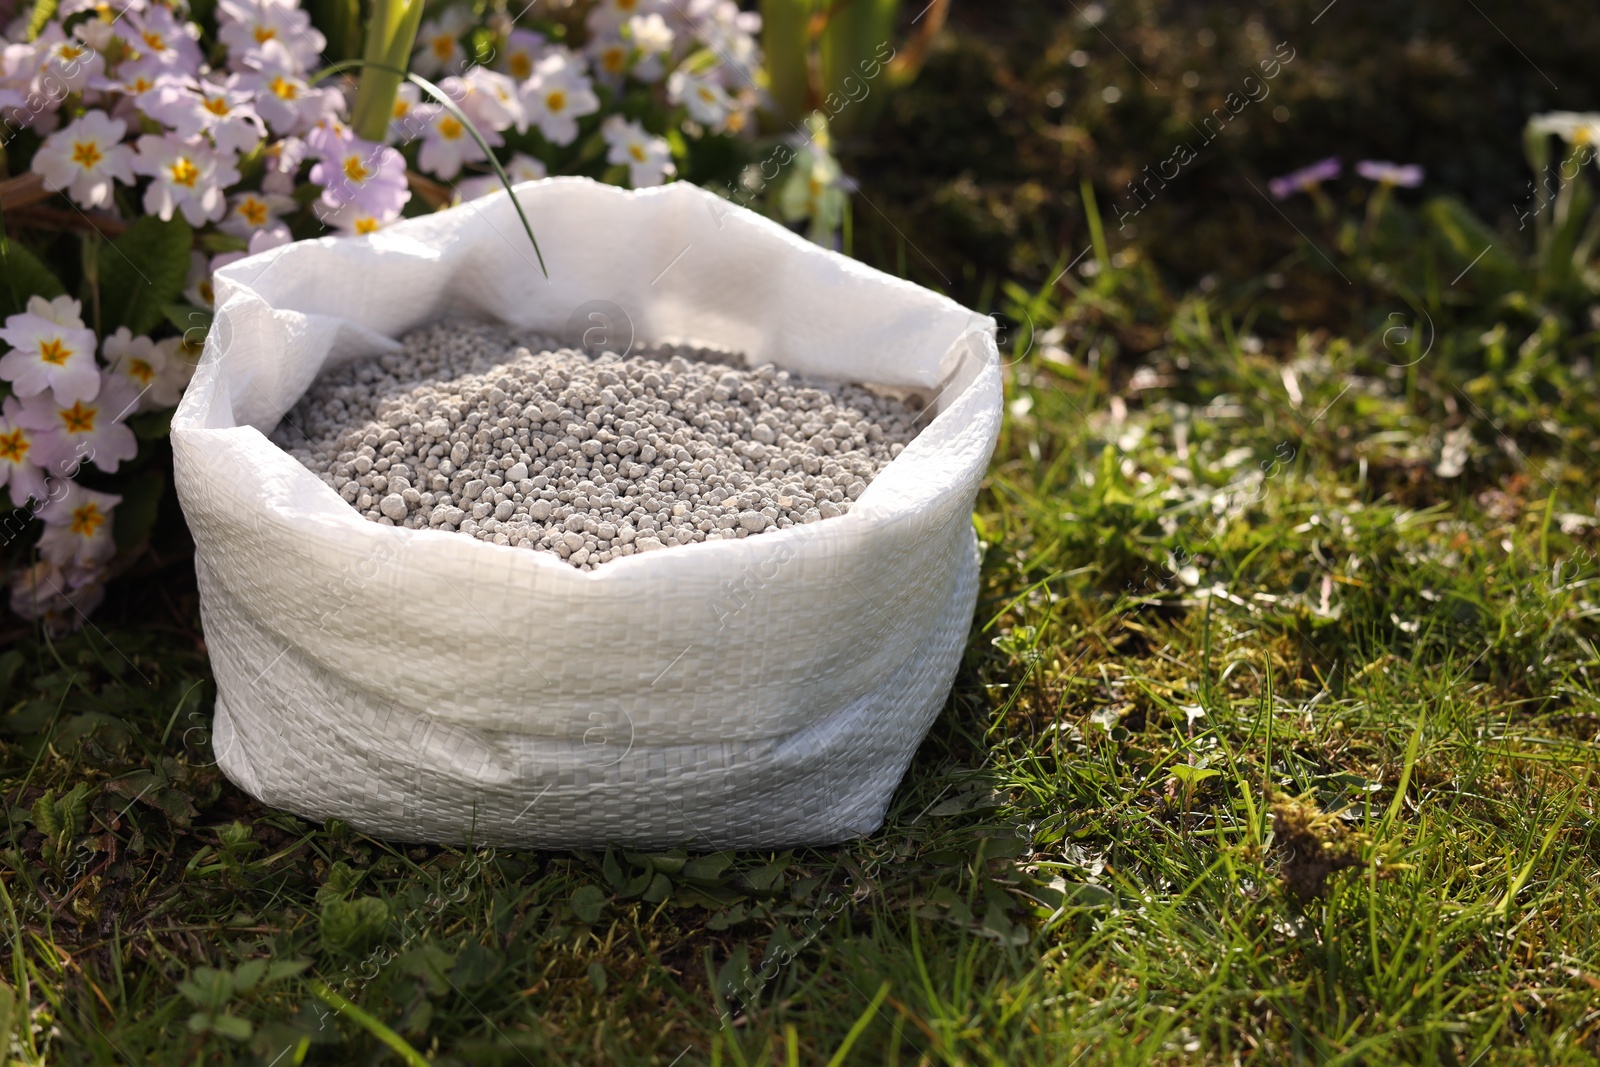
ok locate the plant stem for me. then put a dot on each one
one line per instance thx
(391, 35)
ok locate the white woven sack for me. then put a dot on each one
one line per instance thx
(425, 685)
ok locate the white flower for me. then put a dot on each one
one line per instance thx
(404, 124)
(439, 43)
(610, 55)
(197, 286)
(223, 111)
(159, 36)
(815, 190)
(50, 350)
(1574, 127)
(558, 95)
(78, 528)
(261, 34)
(708, 102)
(490, 99)
(649, 158)
(608, 16)
(181, 357)
(250, 212)
(20, 456)
(447, 144)
(71, 63)
(91, 429)
(522, 51)
(287, 103)
(283, 158)
(139, 362)
(352, 218)
(654, 39)
(60, 598)
(85, 158)
(189, 177)
(521, 168)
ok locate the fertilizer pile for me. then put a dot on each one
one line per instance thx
(521, 442)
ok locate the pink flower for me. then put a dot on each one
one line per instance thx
(223, 111)
(158, 35)
(189, 177)
(20, 456)
(522, 51)
(251, 212)
(78, 528)
(261, 34)
(353, 171)
(86, 158)
(287, 103)
(60, 598)
(447, 145)
(91, 429)
(50, 351)
(138, 361)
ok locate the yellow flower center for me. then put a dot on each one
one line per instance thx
(86, 154)
(521, 66)
(356, 170)
(636, 152)
(140, 84)
(253, 210)
(217, 105)
(79, 419)
(69, 52)
(87, 518)
(627, 5)
(707, 95)
(54, 352)
(401, 108)
(556, 100)
(263, 34)
(13, 446)
(444, 46)
(156, 42)
(283, 88)
(140, 371)
(449, 128)
(184, 172)
(613, 58)
(367, 224)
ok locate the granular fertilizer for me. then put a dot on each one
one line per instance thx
(542, 447)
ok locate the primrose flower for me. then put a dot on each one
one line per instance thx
(178, 369)
(608, 16)
(649, 158)
(446, 144)
(60, 598)
(85, 159)
(92, 429)
(815, 190)
(1305, 179)
(654, 39)
(350, 170)
(138, 362)
(1405, 175)
(353, 219)
(268, 34)
(404, 124)
(189, 178)
(1574, 127)
(283, 158)
(557, 96)
(521, 168)
(489, 99)
(284, 99)
(708, 102)
(50, 351)
(197, 287)
(20, 456)
(522, 52)
(69, 63)
(78, 528)
(439, 46)
(610, 56)
(158, 35)
(223, 111)
(250, 212)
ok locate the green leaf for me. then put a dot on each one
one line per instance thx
(660, 889)
(597, 976)
(1192, 776)
(352, 925)
(231, 1026)
(24, 276)
(248, 973)
(587, 903)
(708, 868)
(475, 965)
(142, 271)
(135, 517)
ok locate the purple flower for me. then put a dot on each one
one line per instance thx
(1304, 179)
(353, 171)
(1407, 175)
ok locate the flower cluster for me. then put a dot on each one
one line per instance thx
(129, 107)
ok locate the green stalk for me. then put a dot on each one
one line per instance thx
(858, 33)
(786, 44)
(391, 35)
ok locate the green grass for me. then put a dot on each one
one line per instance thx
(1271, 745)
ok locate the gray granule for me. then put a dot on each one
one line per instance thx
(519, 441)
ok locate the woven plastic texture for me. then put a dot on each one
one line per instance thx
(425, 685)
